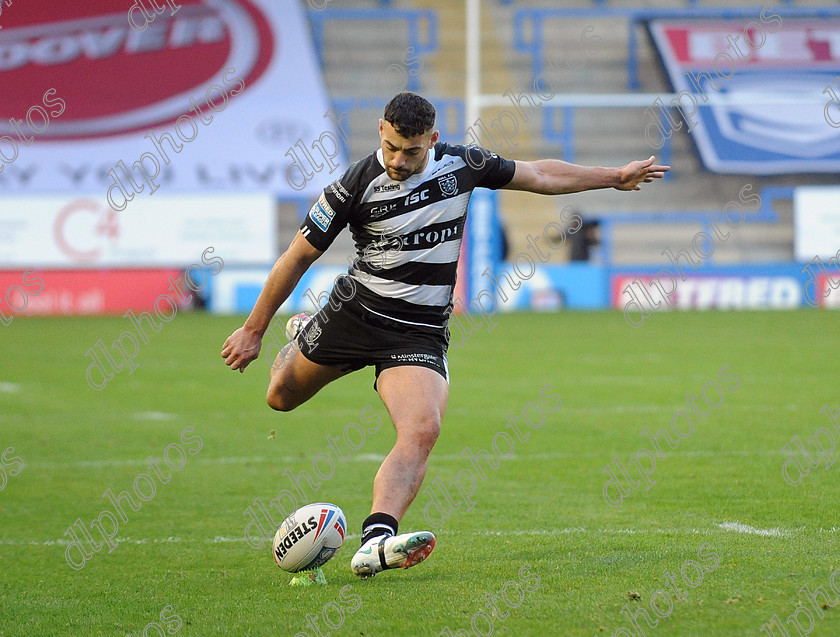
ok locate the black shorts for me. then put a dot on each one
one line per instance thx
(348, 336)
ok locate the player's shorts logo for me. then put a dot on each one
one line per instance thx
(448, 185)
(311, 334)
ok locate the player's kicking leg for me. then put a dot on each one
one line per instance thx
(416, 400)
(295, 379)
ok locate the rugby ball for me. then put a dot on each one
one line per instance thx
(309, 537)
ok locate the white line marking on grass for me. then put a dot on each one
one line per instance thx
(726, 452)
(619, 409)
(242, 460)
(568, 530)
(90, 463)
(556, 455)
(376, 457)
(143, 463)
(369, 457)
(607, 379)
(153, 415)
(746, 528)
(279, 460)
(219, 539)
(576, 530)
(119, 540)
(9, 388)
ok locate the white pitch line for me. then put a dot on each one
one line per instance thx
(219, 539)
(576, 530)
(375, 457)
(369, 457)
(9, 388)
(557, 455)
(154, 415)
(737, 527)
(570, 530)
(144, 463)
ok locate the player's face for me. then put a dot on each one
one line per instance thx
(404, 156)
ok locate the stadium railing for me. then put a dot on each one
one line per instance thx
(608, 221)
(533, 21)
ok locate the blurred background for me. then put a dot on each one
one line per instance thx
(136, 135)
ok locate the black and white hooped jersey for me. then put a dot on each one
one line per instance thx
(407, 233)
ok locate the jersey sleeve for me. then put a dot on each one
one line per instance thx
(336, 206)
(323, 223)
(328, 216)
(490, 170)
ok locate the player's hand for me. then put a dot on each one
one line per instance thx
(631, 176)
(240, 348)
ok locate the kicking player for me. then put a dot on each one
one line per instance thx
(406, 205)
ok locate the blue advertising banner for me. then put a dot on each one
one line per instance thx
(574, 286)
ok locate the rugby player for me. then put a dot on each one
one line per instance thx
(406, 205)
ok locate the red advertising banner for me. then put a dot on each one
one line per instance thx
(50, 292)
(705, 292)
(827, 298)
(119, 98)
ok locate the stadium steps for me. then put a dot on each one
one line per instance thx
(645, 243)
(615, 136)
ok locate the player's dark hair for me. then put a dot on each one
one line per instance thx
(410, 114)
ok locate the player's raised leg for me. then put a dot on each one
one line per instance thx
(416, 400)
(295, 379)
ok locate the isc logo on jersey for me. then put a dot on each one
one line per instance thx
(133, 80)
(417, 197)
(322, 213)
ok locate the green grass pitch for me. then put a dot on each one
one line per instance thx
(540, 540)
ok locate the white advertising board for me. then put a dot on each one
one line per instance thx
(82, 232)
(816, 222)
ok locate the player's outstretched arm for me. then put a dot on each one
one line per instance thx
(555, 177)
(244, 344)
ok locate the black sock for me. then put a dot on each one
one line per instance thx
(378, 524)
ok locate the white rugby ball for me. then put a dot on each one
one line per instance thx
(295, 324)
(309, 537)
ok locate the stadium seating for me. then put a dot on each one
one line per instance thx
(520, 40)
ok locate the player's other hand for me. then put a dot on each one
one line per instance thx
(631, 176)
(241, 348)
